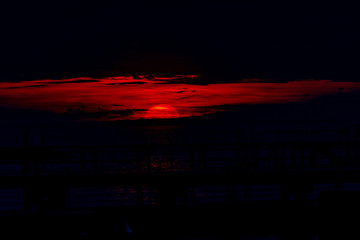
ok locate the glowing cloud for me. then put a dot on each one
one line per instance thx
(162, 111)
(128, 97)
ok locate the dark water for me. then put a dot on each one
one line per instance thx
(165, 149)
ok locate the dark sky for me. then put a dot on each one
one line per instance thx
(247, 39)
(222, 41)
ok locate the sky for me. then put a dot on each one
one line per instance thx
(145, 97)
(217, 64)
(248, 39)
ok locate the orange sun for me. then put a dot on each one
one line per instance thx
(162, 111)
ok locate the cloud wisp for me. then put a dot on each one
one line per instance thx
(129, 97)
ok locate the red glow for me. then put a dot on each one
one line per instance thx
(162, 111)
(126, 97)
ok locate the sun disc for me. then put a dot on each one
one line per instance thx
(162, 111)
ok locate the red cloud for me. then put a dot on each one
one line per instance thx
(114, 95)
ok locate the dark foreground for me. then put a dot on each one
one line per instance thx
(282, 190)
